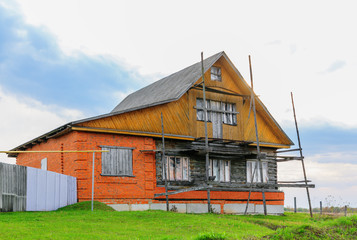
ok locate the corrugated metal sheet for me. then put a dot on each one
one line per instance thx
(12, 187)
(49, 191)
(31, 189)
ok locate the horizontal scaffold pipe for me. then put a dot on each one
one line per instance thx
(57, 151)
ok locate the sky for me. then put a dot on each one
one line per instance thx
(66, 60)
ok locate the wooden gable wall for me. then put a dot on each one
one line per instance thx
(180, 116)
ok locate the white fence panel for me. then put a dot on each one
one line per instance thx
(31, 203)
(49, 191)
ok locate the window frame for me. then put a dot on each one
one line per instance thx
(216, 74)
(130, 162)
(44, 164)
(211, 170)
(257, 179)
(175, 174)
(225, 114)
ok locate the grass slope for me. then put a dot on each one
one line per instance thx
(78, 222)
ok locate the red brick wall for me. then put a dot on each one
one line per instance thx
(56, 162)
(138, 189)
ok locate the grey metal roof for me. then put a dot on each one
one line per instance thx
(168, 89)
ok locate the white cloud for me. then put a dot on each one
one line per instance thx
(331, 178)
(24, 119)
(289, 51)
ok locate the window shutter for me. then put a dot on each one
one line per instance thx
(117, 162)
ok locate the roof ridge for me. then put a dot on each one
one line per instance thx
(179, 82)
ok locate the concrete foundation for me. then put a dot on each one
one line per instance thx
(120, 207)
(140, 207)
(271, 209)
(238, 208)
(230, 208)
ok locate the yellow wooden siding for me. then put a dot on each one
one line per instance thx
(175, 116)
(245, 129)
(180, 116)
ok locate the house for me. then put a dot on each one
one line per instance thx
(130, 174)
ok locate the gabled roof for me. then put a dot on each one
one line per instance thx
(168, 89)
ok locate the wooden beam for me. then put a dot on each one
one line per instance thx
(206, 132)
(181, 191)
(302, 160)
(164, 167)
(289, 150)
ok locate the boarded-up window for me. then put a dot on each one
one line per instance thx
(117, 162)
(252, 165)
(226, 111)
(216, 74)
(220, 169)
(177, 168)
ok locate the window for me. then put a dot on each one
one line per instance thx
(117, 162)
(226, 110)
(200, 112)
(44, 164)
(221, 169)
(251, 164)
(229, 117)
(177, 168)
(216, 74)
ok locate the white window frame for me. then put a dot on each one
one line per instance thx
(220, 169)
(227, 110)
(44, 164)
(216, 74)
(251, 163)
(177, 168)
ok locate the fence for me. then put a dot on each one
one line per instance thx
(31, 189)
(339, 210)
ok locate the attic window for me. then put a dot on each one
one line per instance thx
(226, 110)
(216, 74)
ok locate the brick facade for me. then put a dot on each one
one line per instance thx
(139, 189)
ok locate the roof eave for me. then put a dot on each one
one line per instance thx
(54, 133)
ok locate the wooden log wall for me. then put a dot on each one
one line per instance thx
(197, 167)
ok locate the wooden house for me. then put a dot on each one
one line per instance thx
(131, 176)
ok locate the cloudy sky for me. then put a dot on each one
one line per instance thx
(65, 60)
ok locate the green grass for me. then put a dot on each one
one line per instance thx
(78, 222)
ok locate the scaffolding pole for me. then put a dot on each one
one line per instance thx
(206, 136)
(258, 146)
(164, 167)
(301, 156)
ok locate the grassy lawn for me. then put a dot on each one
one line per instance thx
(77, 222)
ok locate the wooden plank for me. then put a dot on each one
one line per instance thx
(302, 161)
(181, 191)
(289, 150)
